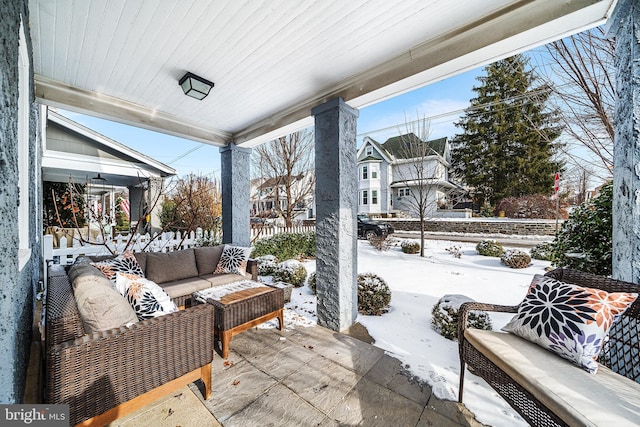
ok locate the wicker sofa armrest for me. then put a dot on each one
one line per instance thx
(98, 372)
(468, 307)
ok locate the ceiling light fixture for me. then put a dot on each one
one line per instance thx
(195, 86)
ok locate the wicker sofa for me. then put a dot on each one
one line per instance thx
(106, 374)
(547, 389)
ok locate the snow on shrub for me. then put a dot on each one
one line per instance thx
(410, 246)
(267, 264)
(515, 258)
(374, 294)
(489, 248)
(444, 316)
(311, 282)
(542, 251)
(290, 271)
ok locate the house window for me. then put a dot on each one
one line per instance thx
(374, 172)
(365, 172)
(374, 197)
(24, 250)
(365, 197)
(403, 192)
(368, 150)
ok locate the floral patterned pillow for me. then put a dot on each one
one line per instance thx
(124, 263)
(233, 260)
(146, 297)
(569, 320)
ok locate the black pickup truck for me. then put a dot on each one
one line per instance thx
(368, 228)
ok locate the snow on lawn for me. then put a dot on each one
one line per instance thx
(405, 332)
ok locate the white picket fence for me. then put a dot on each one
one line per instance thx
(270, 231)
(166, 242)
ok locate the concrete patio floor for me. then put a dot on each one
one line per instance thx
(303, 377)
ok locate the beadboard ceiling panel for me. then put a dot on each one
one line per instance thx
(271, 60)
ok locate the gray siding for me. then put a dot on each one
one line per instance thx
(16, 287)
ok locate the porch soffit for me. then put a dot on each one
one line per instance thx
(272, 60)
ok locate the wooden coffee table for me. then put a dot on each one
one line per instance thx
(240, 306)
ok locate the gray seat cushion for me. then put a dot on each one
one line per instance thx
(207, 258)
(168, 267)
(182, 287)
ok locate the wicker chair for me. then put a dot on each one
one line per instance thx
(106, 375)
(621, 353)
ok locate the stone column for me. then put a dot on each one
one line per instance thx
(336, 209)
(154, 204)
(624, 25)
(236, 186)
(136, 204)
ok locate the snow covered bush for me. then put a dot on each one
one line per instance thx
(374, 294)
(455, 251)
(410, 246)
(515, 258)
(311, 282)
(286, 245)
(489, 248)
(267, 264)
(587, 232)
(292, 272)
(381, 243)
(542, 251)
(444, 316)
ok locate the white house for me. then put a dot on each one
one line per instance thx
(267, 193)
(390, 173)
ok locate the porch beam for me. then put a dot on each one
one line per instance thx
(336, 210)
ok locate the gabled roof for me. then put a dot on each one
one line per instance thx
(396, 145)
(82, 152)
(384, 155)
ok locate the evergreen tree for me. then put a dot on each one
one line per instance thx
(506, 147)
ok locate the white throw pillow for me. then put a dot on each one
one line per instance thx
(233, 260)
(146, 298)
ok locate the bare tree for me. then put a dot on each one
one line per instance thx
(414, 167)
(286, 169)
(582, 74)
(196, 202)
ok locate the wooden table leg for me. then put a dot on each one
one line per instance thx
(225, 338)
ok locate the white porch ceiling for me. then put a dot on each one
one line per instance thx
(271, 60)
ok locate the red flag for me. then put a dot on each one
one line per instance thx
(124, 205)
(556, 186)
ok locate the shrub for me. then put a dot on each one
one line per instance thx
(292, 272)
(588, 232)
(486, 210)
(515, 258)
(542, 251)
(381, 243)
(311, 282)
(286, 246)
(489, 248)
(410, 246)
(444, 316)
(374, 294)
(454, 251)
(537, 206)
(267, 265)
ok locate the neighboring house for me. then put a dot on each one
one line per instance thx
(387, 176)
(73, 152)
(266, 195)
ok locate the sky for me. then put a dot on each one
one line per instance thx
(379, 121)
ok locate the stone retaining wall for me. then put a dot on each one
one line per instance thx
(489, 226)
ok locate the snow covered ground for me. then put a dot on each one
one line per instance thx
(405, 331)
